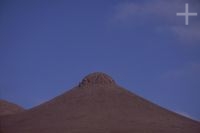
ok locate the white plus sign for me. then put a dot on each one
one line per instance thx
(186, 14)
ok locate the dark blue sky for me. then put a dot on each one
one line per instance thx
(47, 47)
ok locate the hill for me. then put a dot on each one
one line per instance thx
(98, 105)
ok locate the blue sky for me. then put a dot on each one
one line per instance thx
(47, 47)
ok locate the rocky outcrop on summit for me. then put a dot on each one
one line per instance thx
(97, 78)
(98, 105)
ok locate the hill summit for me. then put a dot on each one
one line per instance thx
(97, 78)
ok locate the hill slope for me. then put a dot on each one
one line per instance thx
(8, 108)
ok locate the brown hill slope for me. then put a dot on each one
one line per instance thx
(8, 108)
(98, 105)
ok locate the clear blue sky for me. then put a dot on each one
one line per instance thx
(48, 46)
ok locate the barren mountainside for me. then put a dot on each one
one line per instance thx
(98, 105)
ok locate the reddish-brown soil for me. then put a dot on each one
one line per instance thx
(98, 105)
